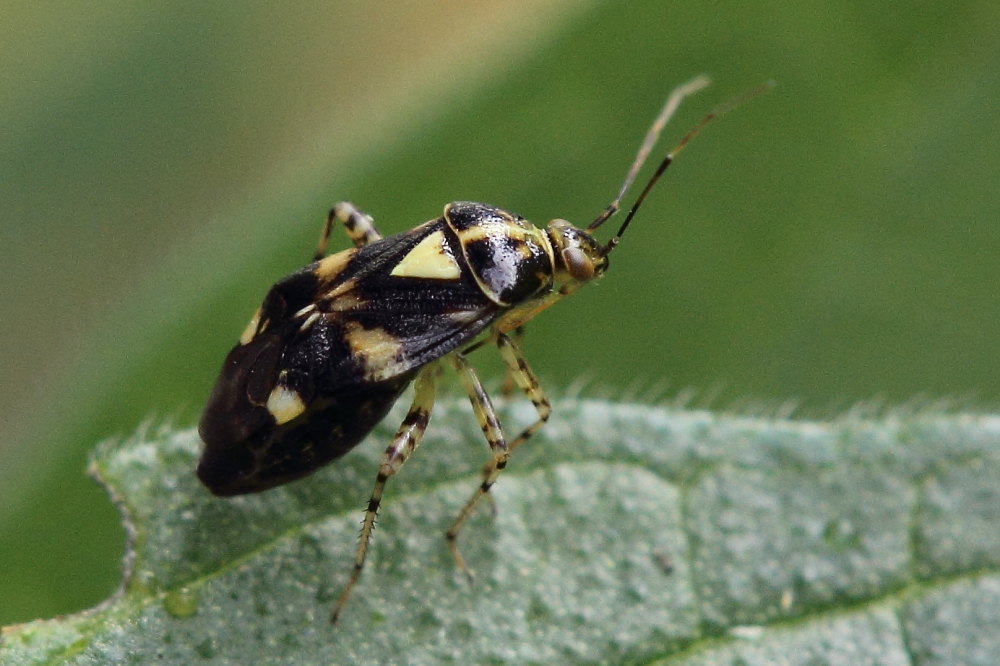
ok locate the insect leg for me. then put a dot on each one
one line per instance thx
(360, 227)
(518, 368)
(403, 444)
(490, 424)
(508, 379)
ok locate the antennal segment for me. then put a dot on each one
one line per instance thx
(673, 101)
(720, 110)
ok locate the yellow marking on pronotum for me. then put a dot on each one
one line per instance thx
(429, 259)
(284, 404)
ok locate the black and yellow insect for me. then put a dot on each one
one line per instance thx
(334, 344)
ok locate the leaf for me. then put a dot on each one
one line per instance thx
(624, 533)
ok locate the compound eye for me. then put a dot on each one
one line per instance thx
(578, 264)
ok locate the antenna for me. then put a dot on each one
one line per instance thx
(673, 101)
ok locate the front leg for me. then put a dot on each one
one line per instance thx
(507, 388)
(521, 373)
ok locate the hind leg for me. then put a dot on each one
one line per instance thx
(403, 444)
(360, 228)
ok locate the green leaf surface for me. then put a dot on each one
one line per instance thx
(625, 533)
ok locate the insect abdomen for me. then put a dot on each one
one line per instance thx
(331, 427)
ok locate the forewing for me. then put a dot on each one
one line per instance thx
(328, 353)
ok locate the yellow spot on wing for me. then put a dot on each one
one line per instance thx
(251, 329)
(429, 259)
(381, 352)
(343, 299)
(284, 404)
(330, 267)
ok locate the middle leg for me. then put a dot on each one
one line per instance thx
(522, 375)
(490, 425)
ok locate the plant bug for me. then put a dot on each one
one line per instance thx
(334, 344)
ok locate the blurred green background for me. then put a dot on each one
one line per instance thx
(832, 242)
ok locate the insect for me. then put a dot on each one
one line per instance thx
(335, 343)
